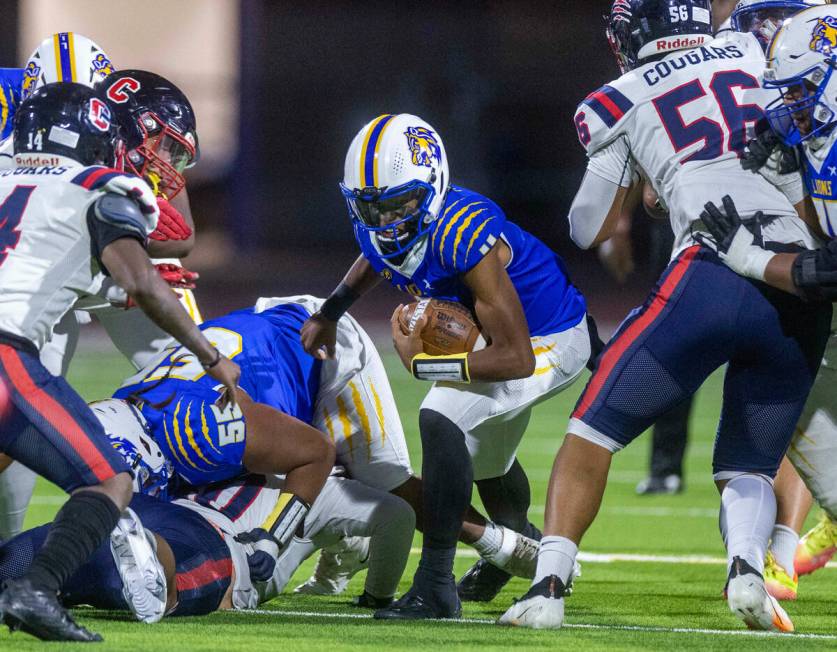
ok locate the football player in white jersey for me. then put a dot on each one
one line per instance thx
(69, 220)
(680, 116)
(801, 58)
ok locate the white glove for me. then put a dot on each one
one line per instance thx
(745, 257)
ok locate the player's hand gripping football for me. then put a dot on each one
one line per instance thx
(407, 343)
(734, 242)
(319, 337)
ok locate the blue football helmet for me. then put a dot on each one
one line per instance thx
(130, 436)
(640, 29)
(763, 17)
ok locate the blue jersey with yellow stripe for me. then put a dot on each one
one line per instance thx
(822, 186)
(11, 83)
(469, 225)
(204, 442)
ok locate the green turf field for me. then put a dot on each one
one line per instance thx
(669, 603)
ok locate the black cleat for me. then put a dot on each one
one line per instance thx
(660, 485)
(415, 606)
(38, 612)
(368, 601)
(482, 582)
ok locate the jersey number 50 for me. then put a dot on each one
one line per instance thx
(716, 139)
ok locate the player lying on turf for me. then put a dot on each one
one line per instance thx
(701, 315)
(213, 544)
(346, 399)
(433, 239)
(801, 63)
(71, 221)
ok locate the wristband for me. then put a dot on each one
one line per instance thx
(441, 367)
(339, 302)
(209, 365)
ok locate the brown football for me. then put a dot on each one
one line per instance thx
(450, 327)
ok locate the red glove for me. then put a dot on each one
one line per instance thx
(176, 276)
(171, 225)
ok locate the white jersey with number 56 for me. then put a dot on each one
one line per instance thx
(682, 122)
(47, 241)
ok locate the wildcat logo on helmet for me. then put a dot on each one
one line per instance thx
(30, 77)
(101, 66)
(824, 36)
(424, 146)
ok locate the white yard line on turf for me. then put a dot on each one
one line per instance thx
(487, 621)
(611, 557)
(659, 512)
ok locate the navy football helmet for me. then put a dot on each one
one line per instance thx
(763, 18)
(640, 29)
(161, 138)
(67, 119)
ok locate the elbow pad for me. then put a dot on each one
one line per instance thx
(815, 273)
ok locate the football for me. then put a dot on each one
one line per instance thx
(450, 327)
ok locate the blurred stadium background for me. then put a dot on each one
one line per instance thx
(280, 89)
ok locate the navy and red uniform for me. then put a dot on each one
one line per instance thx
(202, 561)
(700, 316)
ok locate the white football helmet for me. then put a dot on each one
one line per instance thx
(763, 17)
(800, 63)
(130, 436)
(65, 57)
(395, 181)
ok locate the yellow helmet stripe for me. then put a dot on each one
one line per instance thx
(72, 56)
(56, 45)
(369, 151)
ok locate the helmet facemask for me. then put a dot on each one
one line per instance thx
(398, 218)
(162, 156)
(801, 113)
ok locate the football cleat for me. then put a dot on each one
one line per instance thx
(655, 485)
(134, 551)
(777, 581)
(38, 612)
(541, 608)
(336, 567)
(420, 605)
(482, 582)
(817, 547)
(368, 601)
(748, 599)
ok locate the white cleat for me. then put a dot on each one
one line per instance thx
(336, 567)
(748, 599)
(541, 608)
(143, 578)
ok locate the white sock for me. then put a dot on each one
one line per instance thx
(16, 486)
(556, 557)
(783, 543)
(490, 541)
(748, 513)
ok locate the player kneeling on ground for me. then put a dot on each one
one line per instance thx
(67, 237)
(212, 545)
(434, 239)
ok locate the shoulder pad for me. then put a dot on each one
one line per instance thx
(599, 117)
(465, 232)
(96, 176)
(122, 212)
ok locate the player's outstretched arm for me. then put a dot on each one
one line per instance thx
(319, 332)
(128, 264)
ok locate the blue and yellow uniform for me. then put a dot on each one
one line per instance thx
(11, 84)
(205, 443)
(822, 186)
(468, 226)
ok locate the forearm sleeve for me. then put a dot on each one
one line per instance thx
(590, 208)
(815, 273)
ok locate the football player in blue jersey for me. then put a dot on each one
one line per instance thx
(433, 239)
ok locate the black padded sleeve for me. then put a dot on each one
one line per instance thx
(111, 217)
(815, 273)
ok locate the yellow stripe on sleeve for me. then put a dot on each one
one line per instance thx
(462, 230)
(379, 410)
(190, 436)
(329, 425)
(205, 430)
(456, 217)
(172, 447)
(179, 439)
(475, 236)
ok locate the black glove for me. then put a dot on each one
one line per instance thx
(263, 560)
(724, 226)
(762, 147)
